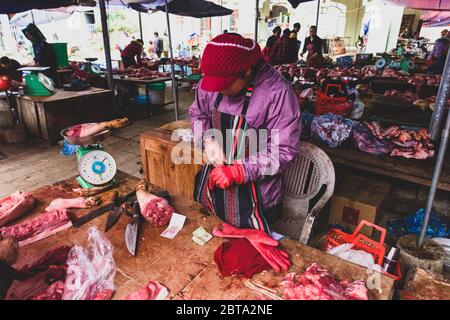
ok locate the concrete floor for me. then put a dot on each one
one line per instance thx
(33, 164)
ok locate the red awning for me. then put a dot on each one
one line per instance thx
(424, 4)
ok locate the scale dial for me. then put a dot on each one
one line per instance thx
(97, 167)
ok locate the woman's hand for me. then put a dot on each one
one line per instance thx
(214, 152)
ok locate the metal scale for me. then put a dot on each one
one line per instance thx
(97, 167)
(90, 67)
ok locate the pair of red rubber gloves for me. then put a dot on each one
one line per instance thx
(225, 176)
(277, 258)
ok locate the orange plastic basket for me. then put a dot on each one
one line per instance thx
(336, 237)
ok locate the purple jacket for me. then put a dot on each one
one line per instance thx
(273, 106)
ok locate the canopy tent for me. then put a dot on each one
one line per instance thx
(191, 8)
(435, 19)
(23, 19)
(423, 5)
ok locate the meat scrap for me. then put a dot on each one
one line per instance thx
(317, 284)
(152, 291)
(38, 227)
(15, 206)
(407, 143)
(53, 292)
(52, 258)
(156, 210)
(78, 203)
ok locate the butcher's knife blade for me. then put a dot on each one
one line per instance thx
(131, 231)
(114, 214)
(78, 222)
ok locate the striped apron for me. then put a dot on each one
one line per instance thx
(238, 205)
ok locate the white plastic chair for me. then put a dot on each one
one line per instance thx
(310, 173)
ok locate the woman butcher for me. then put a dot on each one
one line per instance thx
(243, 99)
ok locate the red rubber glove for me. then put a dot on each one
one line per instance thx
(225, 176)
(277, 258)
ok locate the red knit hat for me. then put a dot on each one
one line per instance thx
(225, 58)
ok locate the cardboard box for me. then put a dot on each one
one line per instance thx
(356, 199)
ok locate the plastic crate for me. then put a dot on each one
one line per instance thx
(336, 237)
(336, 105)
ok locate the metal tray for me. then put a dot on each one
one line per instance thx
(84, 141)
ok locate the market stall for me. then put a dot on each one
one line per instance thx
(158, 258)
(46, 116)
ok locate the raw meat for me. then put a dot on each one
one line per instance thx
(409, 96)
(317, 284)
(15, 206)
(52, 258)
(156, 210)
(37, 228)
(365, 141)
(53, 292)
(91, 129)
(407, 143)
(152, 291)
(79, 203)
(91, 270)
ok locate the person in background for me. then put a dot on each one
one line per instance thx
(44, 54)
(267, 51)
(9, 67)
(165, 45)
(151, 50)
(159, 45)
(132, 50)
(312, 44)
(9, 252)
(282, 49)
(438, 55)
(240, 91)
(294, 36)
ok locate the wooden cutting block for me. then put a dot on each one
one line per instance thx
(157, 151)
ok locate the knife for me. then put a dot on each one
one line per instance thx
(78, 222)
(131, 231)
(114, 214)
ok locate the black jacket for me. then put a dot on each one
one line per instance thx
(317, 43)
(7, 276)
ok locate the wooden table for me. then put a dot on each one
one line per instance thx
(185, 268)
(412, 170)
(47, 116)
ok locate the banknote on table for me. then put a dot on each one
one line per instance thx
(175, 225)
(201, 236)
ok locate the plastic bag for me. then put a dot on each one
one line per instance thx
(412, 225)
(331, 129)
(365, 141)
(359, 257)
(91, 270)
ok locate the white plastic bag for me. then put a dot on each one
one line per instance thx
(359, 257)
(91, 270)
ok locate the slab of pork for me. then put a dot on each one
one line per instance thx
(38, 227)
(91, 129)
(15, 206)
(152, 291)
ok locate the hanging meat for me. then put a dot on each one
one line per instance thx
(317, 284)
(76, 203)
(15, 206)
(38, 227)
(91, 129)
(156, 210)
